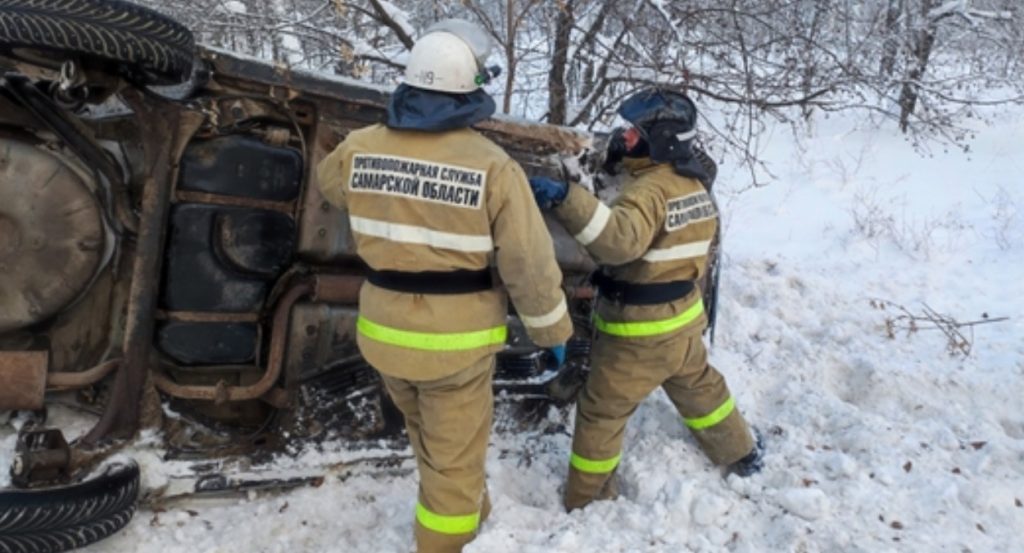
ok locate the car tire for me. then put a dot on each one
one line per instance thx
(68, 517)
(153, 47)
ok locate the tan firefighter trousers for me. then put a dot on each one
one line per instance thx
(623, 373)
(449, 424)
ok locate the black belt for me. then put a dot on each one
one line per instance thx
(640, 294)
(462, 281)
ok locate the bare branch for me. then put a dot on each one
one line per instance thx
(384, 17)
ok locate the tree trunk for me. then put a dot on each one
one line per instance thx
(510, 55)
(891, 44)
(557, 96)
(924, 41)
(808, 76)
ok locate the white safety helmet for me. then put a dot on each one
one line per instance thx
(450, 57)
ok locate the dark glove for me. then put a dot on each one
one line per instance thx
(548, 192)
(616, 151)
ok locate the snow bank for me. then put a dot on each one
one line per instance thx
(874, 443)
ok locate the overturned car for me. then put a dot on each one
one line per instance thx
(164, 249)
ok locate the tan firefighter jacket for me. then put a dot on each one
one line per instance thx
(659, 229)
(454, 200)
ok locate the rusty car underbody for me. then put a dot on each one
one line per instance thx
(167, 262)
(175, 250)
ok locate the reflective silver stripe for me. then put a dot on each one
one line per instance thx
(548, 319)
(682, 251)
(596, 225)
(419, 235)
(684, 136)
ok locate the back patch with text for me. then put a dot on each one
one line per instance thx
(418, 179)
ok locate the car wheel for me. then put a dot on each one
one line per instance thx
(155, 48)
(68, 517)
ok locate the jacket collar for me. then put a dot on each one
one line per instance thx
(425, 110)
(639, 165)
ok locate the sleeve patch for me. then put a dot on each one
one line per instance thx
(418, 180)
(687, 209)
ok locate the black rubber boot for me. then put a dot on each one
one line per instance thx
(753, 462)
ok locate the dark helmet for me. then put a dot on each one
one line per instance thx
(667, 120)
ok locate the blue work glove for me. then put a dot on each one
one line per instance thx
(548, 192)
(558, 352)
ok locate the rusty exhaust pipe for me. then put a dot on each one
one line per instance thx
(22, 373)
(58, 381)
(338, 289)
(342, 289)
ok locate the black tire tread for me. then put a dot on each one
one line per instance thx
(59, 519)
(107, 29)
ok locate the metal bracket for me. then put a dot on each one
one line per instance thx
(42, 457)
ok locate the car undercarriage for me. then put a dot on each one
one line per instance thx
(164, 251)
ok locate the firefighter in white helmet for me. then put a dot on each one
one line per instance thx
(435, 209)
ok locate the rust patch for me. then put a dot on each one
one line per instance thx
(338, 289)
(217, 199)
(207, 317)
(558, 139)
(121, 417)
(23, 379)
(580, 292)
(42, 457)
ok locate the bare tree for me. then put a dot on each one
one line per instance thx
(920, 53)
(577, 27)
(748, 61)
(890, 47)
(557, 93)
(505, 21)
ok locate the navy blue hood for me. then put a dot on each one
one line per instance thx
(425, 110)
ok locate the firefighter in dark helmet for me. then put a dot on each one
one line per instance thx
(652, 245)
(433, 206)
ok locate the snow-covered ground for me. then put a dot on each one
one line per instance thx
(875, 443)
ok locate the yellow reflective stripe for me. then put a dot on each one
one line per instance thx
(432, 341)
(447, 524)
(713, 418)
(590, 466)
(650, 328)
